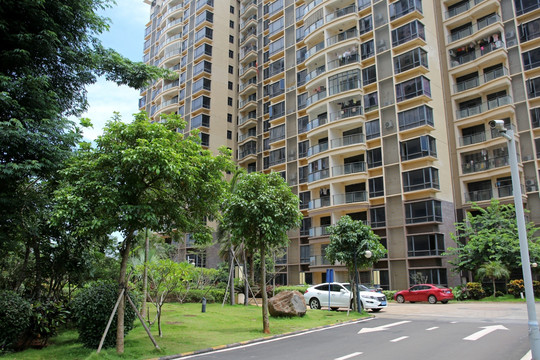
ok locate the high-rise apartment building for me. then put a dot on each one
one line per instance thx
(374, 109)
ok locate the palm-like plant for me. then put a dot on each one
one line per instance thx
(493, 270)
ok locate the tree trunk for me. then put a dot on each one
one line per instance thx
(231, 273)
(246, 281)
(266, 323)
(494, 290)
(37, 255)
(121, 284)
(145, 274)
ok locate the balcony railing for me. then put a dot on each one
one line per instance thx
(313, 50)
(346, 113)
(313, 150)
(319, 203)
(352, 59)
(341, 12)
(477, 53)
(483, 107)
(348, 140)
(314, 98)
(481, 165)
(488, 194)
(458, 35)
(350, 197)
(244, 119)
(462, 8)
(477, 81)
(318, 260)
(249, 151)
(352, 168)
(349, 34)
(243, 137)
(313, 74)
(316, 123)
(319, 231)
(318, 175)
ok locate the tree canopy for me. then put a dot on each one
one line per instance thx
(490, 234)
(260, 211)
(141, 175)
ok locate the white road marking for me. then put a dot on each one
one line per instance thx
(487, 329)
(527, 356)
(432, 328)
(453, 322)
(399, 339)
(348, 356)
(382, 327)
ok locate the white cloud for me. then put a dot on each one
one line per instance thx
(104, 99)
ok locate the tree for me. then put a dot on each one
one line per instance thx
(349, 241)
(260, 211)
(142, 175)
(493, 270)
(490, 234)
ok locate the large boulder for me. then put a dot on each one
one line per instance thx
(287, 303)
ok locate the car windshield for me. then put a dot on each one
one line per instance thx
(441, 287)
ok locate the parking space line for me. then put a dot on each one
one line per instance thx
(432, 328)
(348, 356)
(399, 339)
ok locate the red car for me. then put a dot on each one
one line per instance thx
(425, 292)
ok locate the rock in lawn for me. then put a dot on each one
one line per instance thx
(287, 303)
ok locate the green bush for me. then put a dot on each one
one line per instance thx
(92, 307)
(196, 295)
(300, 288)
(460, 292)
(46, 318)
(389, 294)
(536, 288)
(15, 313)
(515, 287)
(475, 291)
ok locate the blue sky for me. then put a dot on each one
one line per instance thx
(127, 24)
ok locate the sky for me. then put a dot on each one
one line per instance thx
(127, 24)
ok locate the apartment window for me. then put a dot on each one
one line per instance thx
(275, 89)
(427, 178)
(275, 26)
(229, 118)
(205, 32)
(277, 110)
(413, 88)
(410, 60)
(418, 116)
(204, 49)
(301, 101)
(252, 167)
(277, 157)
(303, 124)
(299, 33)
(373, 129)
(231, 69)
(403, 7)
(277, 133)
(231, 39)
(366, 24)
(408, 32)
(275, 68)
(423, 211)
(229, 101)
(303, 174)
(433, 276)
(369, 75)
(231, 54)
(374, 158)
(319, 169)
(371, 101)
(230, 85)
(345, 81)
(300, 55)
(529, 31)
(276, 46)
(535, 117)
(204, 65)
(425, 245)
(231, 9)
(377, 217)
(231, 24)
(205, 139)
(367, 49)
(303, 149)
(204, 16)
(525, 6)
(301, 77)
(202, 83)
(200, 102)
(229, 134)
(200, 120)
(531, 59)
(418, 147)
(376, 187)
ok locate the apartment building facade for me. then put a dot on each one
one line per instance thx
(369, 108)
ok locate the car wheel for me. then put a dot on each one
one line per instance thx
(375, 310)
(334, 309)
(314, 304)
(432, 299)
(444, 301)
(400, 299)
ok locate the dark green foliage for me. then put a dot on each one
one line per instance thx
(536, 288)
(516, 287)
(389, 294)
(47, 317)
(195, 296)
(475, 291)
(300, 288)
(15, 315)
(92, 307)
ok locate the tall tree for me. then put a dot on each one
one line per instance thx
(142, 175)
(50, 52)
(261, 210)
(490, 234)
(349, 241)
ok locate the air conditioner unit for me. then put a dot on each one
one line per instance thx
(388, 124)
(529, 182)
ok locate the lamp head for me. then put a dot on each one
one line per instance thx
(497, 125)
(368, 254)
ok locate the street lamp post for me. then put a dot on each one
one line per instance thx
(367, 254)
(534, 333)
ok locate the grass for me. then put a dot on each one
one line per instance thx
(186, 328)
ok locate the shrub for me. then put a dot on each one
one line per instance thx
(536, 288)
(196, 295)
(475, 291)
(515, 287)
(300, 288)
(46, 318)
(92, 308)
(15, 313)
(460, 292)
(389, 294)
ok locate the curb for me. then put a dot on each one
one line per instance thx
(253, 341)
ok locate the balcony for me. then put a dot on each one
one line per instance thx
(481, 80)
(318, 260)
(341, 12)
(346, 113)
(319, 203)
(318, 175)
(352, 168)
(347, 141)
(488, 194)
(527, 7)
(461, 8)
(458, 35)
(349, 34)
(482, 165)
(314, 150)
(397, 10)
(483, 107)
(472, 55)
(350, 197)
(315, 123)
(313, 50)
(313, 74)
(343, 61)
(314, 98)
(246, 152)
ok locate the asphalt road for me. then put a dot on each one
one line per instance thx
(405, 331)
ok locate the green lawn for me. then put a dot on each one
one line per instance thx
(186, 328)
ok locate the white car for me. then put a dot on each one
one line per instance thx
(317, 296)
